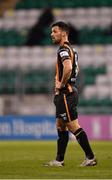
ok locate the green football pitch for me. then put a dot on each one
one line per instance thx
(24, 160)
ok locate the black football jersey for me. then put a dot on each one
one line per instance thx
(67, 52)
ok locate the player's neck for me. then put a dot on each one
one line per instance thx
(65, 39)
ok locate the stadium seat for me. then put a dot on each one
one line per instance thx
(104, 80)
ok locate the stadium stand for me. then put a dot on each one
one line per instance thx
(28, 4)
(25, 67)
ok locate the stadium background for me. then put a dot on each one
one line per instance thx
(27, 60)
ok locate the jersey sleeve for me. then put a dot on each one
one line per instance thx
(64, 54)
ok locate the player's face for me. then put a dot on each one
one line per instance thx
(56, 35)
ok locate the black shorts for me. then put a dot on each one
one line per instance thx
(66, 106)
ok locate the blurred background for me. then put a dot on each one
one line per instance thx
(27, 66)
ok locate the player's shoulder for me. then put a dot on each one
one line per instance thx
(64, 48)
(63, 51)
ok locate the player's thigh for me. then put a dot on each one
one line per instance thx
(73, 125)
(70, 102)
(61, 125)
(60, 107)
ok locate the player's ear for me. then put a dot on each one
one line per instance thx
(63, 33)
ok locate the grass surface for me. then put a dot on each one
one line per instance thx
(24, 159)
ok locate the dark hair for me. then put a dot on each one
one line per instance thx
(62, 25)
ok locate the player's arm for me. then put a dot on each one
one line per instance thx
(67, 69)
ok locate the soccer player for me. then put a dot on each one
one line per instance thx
(66, 97)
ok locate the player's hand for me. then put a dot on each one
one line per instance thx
(57, 84)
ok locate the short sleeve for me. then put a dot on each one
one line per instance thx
(64, 54)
